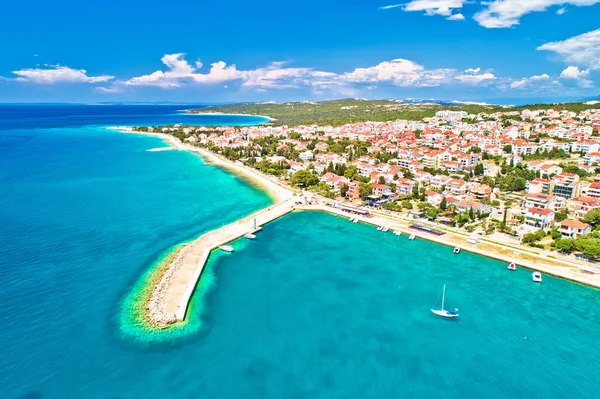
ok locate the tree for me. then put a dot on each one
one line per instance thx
(479, 169)
(350, 172)
(562, 215)
(443, 204)
(471, 214)
(344, 190)
(507, 148)
(365, 190)
(407, 204)
(592, 217)
(304, 178)
(381, 180)
(432, 213)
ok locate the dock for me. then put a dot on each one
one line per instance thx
(171, 296)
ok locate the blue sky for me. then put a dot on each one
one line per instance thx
(512, 50)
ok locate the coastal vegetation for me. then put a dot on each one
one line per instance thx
(340, 112)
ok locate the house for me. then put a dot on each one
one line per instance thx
(404, 186)
(540, 185)
(592, 158)
(489, 169)
(481, 191)
(306, 155)
(381, 189)
(594, 190)
(566, 185)
(353, 190)
(574, 228)
(438, 182)
(334, 181)
(582, 205)
(433, 197)
(457, 187)
(539, 201)
(539, 217)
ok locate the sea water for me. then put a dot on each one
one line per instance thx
(315, 307)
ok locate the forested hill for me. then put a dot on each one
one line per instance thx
(339, 112)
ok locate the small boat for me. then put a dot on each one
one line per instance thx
(397, 232)
(351, 219)
(385, 229)
(250, 236)
(442, 312)
(512, 266)
(537, 277)
(226, 248)
(379, 228)
(456, 250)
(355, 221)
(412, 237)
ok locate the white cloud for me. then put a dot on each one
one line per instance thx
(474, 78)
(52, 74)
(180, 71)
(523, 83)
(580, 50)
(456, 17)
(399, 72)
(507, 13)
(107, 90)
(573, 72)
(577, 76)
(390, 6)
(561, 11)
(277, 75)
(435, 7)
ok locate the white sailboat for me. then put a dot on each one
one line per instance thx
(442, 312)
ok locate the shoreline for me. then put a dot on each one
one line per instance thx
(280, 192)
(528, 260)
(274, 190)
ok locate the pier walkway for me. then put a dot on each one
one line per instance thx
(170, 298)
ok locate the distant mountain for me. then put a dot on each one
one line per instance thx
(434, 101)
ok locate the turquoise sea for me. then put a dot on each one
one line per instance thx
(316, 307)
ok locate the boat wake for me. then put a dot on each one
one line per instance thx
(160, 149)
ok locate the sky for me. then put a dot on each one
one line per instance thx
(231, 51)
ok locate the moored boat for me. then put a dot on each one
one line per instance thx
(250, 236)
(512, 266)
(226, 248)
(537, 277)
(456, 250)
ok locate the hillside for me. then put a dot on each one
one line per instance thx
(339, 112)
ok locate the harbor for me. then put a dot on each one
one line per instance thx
(170, 297)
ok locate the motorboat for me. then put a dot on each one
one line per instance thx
(412, 237)
(379, 228)
(226, 248)
(537, 277)
(250, 236)
(443, 312)
(456, 250)
(385, 229)
(512, 266)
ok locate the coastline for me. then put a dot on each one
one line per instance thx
(276, 191)
(279, 192)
